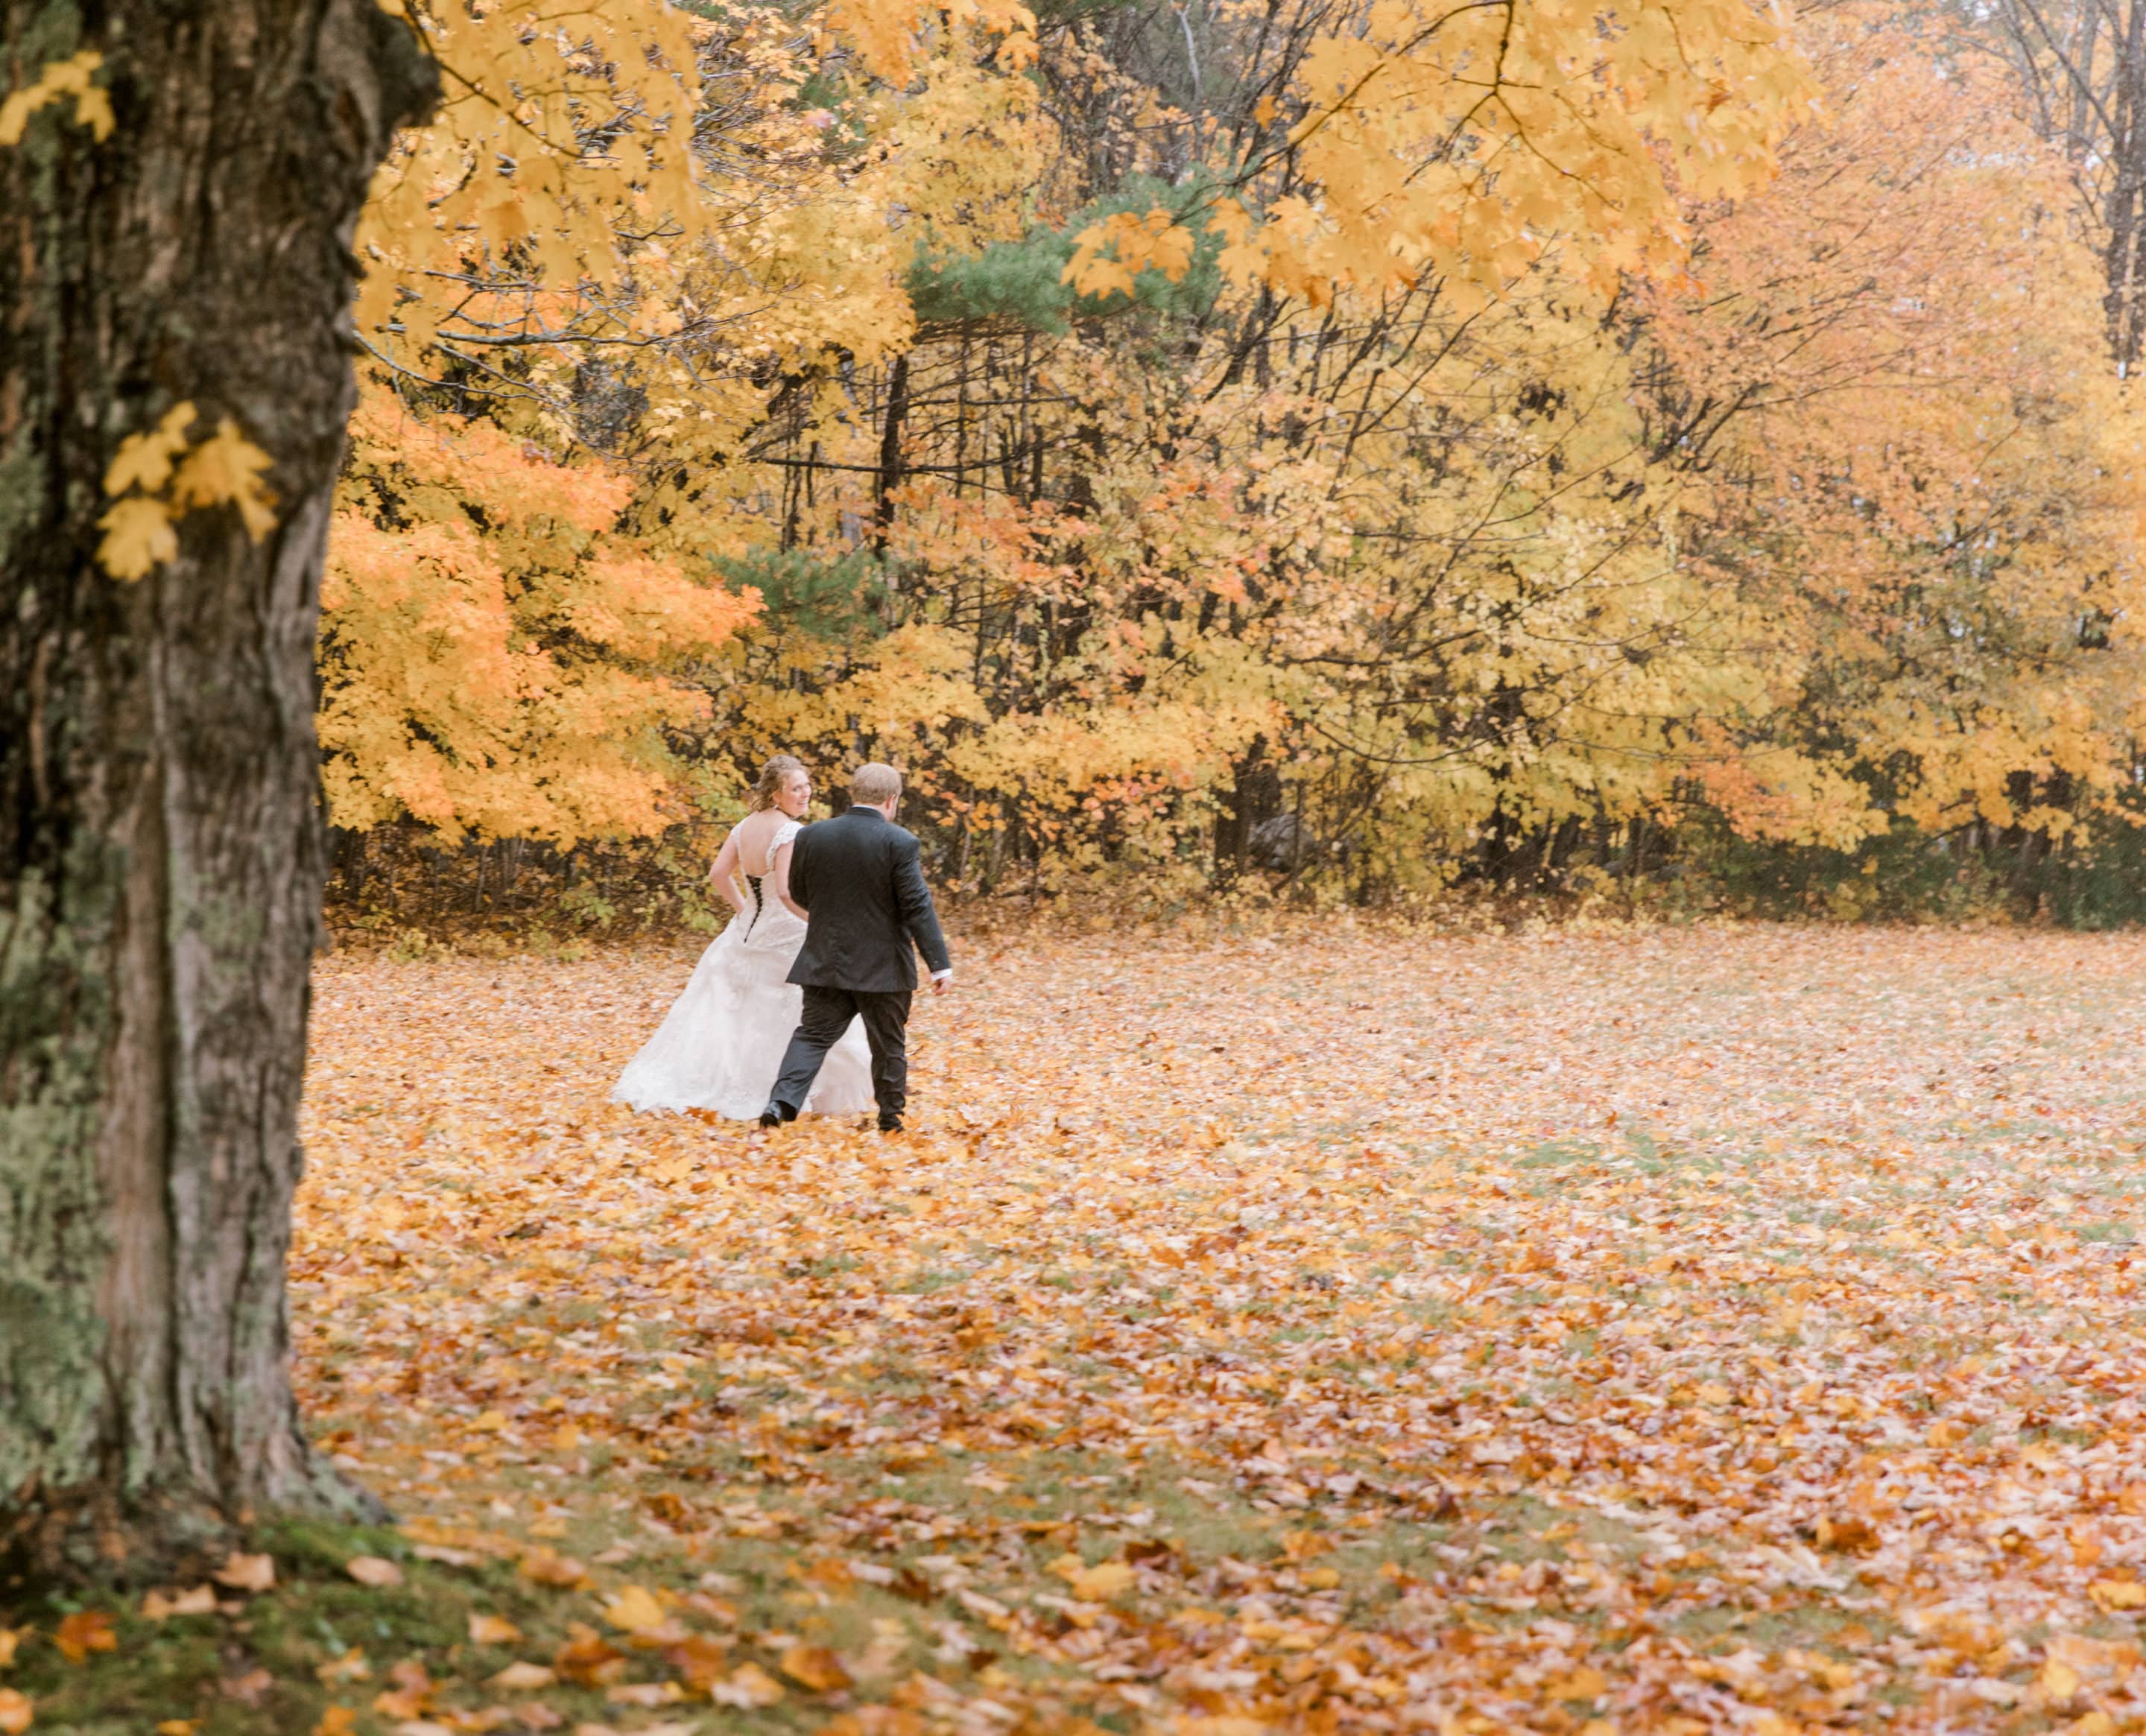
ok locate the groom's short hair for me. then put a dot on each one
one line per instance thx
(874, 785)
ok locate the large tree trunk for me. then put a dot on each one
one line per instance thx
(160, 850)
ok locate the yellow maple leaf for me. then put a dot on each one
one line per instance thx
(137, 536)
(1098, 1584)
(634, 1610)
(2115, 1594)
(1094, 275)
(749, 1687)
(227, 467)
(547, 1567)
(817, 1668)
(144, 461)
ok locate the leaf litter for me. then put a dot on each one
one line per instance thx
(1707, 1328)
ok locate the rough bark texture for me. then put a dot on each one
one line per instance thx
(161, 849)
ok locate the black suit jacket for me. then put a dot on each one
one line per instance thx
(858, 877)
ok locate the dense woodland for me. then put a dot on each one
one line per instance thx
(1321, 449)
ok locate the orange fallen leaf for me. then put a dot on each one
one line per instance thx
(247, 1573)
(1850, 1536)
(817, 1668)
(411, 1693)
(337, 1721)
(749, 1687)
(179, 1726)
(84, 1632)
(1100, 1583)
(588, 1657)
(520, 1676)
(2112, 1595)
(634, 1610)
(545, 1567)
(249, 1689)
(200, 1600)
(374, 1570)
(351, 1667)
(650, 1694)
(492, 1630)
(1584, 1683)
(17, 1714)
(700, 1659)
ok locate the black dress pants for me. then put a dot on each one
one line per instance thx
(826, 1015)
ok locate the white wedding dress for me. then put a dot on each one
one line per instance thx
(721, 1045)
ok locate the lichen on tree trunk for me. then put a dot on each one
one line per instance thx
(161, 851)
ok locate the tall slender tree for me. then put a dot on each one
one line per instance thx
(2081, 64)
(179, 181)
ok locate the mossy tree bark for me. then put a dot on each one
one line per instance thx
(161, 848)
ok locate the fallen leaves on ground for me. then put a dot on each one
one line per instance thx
(1678, 1330)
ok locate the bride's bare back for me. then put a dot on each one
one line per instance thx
(755, 833)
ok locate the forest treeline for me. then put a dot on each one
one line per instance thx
(1334, 449)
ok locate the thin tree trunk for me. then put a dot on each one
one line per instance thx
(161, 856)
(890, 452)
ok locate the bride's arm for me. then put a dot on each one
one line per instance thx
(781, 877)
(722, 874)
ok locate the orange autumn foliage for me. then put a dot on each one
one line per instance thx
(495, 655)
(1886, 386)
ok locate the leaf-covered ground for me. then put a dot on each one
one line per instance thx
(1686, 1330)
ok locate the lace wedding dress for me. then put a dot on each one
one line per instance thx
(721, 1044)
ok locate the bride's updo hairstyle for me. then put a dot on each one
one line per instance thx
(771, 775)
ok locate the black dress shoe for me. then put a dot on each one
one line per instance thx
(890, 1124)
(772, 1115)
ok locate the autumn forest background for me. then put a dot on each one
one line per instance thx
(1263, 451)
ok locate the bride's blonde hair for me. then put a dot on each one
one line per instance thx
(771, 775)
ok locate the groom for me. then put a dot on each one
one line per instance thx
(855, 880)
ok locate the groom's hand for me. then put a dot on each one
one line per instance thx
(942, 981)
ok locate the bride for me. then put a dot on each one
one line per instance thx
(721, 1045)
